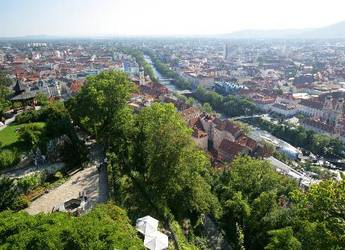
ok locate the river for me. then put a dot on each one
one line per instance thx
(256, 133)
(162, 80)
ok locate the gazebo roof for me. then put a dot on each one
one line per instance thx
(26, 95)
(19, 87)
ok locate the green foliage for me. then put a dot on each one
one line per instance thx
(206, 107)
(299, 137)
(8, 193)
(139, 58)
(42, 99)
(182, 240)
(230, 105)
(274, 214)
(5, 83)
(28, 183)
(29, 116)
(30, 135)
(12, 147)
(250, 195)
(163, 68)
(8, 158)
(21, 202)
(10, 136)
(101, 106)
(172, 166)
(240, 237)
(191, 101)
(57, 123)
(155, 169)
(321, 215)
(245, 128)
(105, 227)
(58, 175)
(283, 239)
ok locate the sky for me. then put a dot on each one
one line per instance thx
(162, 17)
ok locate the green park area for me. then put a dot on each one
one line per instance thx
(17, 140)
(9, 136)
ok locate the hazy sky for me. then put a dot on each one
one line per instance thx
(162, 17)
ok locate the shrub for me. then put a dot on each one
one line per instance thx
(58, 175)
(21, 202)
(30, 134)
(29, 116)
(28, 183)
(8, 158)
(8, 193)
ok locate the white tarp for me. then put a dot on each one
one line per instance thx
(147, 225)
(156, 241)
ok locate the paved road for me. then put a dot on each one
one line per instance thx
(89, 180)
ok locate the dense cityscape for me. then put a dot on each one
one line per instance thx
(223, 141)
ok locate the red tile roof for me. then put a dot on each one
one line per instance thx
(229, 127)
(229, 149)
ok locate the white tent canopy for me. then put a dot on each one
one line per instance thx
(156, 241)
(147, 225)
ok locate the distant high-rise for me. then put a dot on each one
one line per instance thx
(230, 52)
(227, 51)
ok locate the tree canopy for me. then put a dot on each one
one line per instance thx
(171, 166)
(101, 106)
(5, 83)
(105, 227)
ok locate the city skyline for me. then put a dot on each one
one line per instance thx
(158, 18)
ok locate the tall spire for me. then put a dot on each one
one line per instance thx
(18, 87)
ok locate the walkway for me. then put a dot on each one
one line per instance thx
(90, 181)
(20, 172)
(8, 122)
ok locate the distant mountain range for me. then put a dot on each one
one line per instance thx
(334, 31)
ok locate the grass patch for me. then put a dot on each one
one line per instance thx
(11, 147)
(9, 135)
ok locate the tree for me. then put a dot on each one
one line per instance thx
(283, 239)
(8, 193)
(5, 83)
(41, 99)
(30, 134)
(101, 107)
(321, 215)
(170, 164)
(105, 227)
(206, 107)
(190, 101)
(8, 158)
(249, 194)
